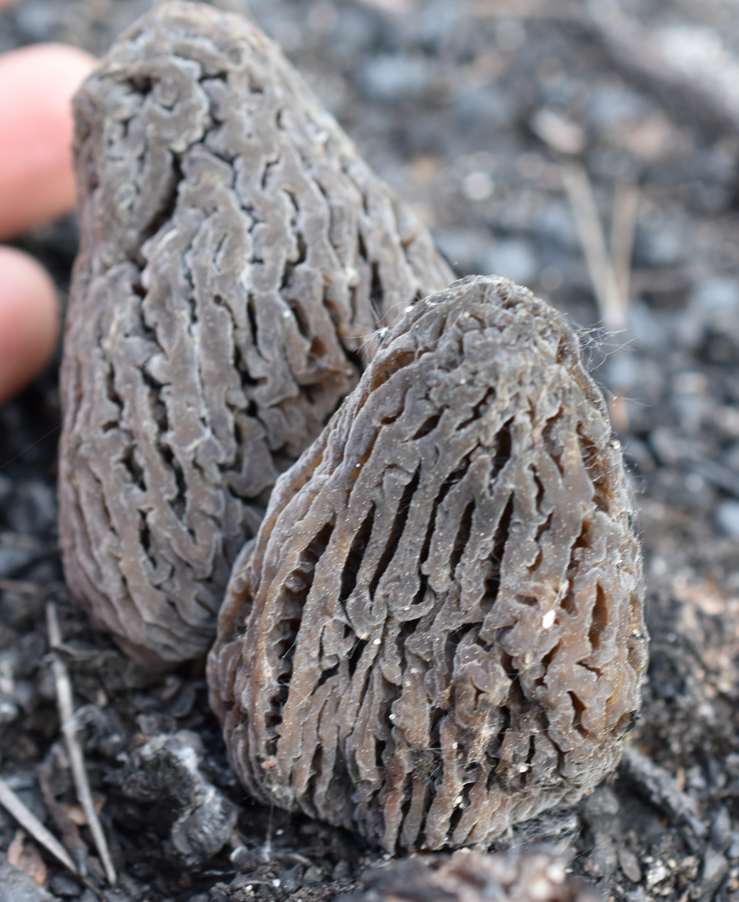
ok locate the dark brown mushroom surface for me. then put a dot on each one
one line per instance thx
(439, 631)
(236, 254)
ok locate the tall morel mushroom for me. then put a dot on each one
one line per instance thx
(235, 255)
(439, 631)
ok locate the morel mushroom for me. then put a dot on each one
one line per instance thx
(439, 630)
(235, 255)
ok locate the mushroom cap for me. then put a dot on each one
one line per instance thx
(439, 630)
(236, 257)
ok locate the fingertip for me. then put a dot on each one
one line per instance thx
(36, 176)
(29, 320)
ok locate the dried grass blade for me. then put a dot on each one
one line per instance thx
(623, 230)
(32, 825)
(74, 749)
(593, 242)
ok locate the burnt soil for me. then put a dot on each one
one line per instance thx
(470, 110)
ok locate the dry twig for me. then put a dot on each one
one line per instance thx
(74, 749)
(661, 788)
(59, 817)
(610, 274)
(623, 229)
(10, 801)
(608, 286)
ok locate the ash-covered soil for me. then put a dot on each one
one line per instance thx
(479, 114)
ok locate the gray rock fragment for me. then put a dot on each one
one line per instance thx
(720, 830)
(727, 517)
(17, 886)
(715, 868)
(629, 864)
(603, 858)
(65, 886)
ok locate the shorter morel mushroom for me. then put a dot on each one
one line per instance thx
(235, 255)
(439, 631)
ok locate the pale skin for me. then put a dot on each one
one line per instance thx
(36, 186)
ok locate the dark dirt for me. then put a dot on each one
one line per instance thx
(469, 110)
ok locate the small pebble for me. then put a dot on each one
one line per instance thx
(630, 865)
(184, 702)
(8, 709)
(13, 559)
(312, 875)
(715, 867)
(17, 886)
(292, 879)
(341, 870)
(115, 895)
(603, 859)
(657, 872)
(720, 832)
(727, 517)
(733, 852)
(64, 886)
(602, 802)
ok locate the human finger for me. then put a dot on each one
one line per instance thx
(29, 320)
(36, 178)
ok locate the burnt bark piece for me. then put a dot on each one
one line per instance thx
(439, 630)
(236, 254)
